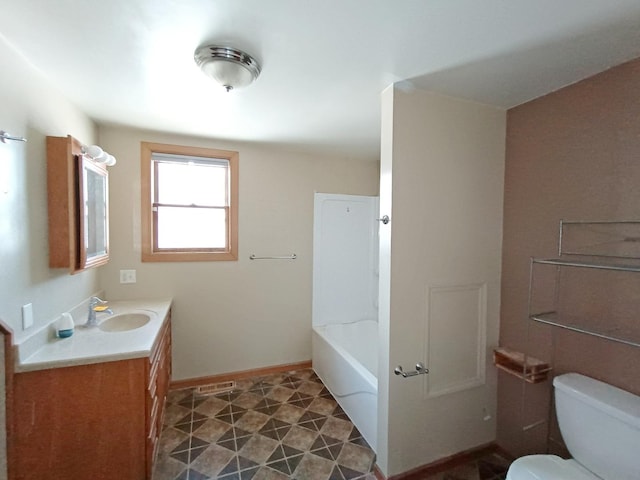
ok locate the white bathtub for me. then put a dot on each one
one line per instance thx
(345, 358)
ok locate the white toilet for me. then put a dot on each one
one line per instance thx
(600, 425)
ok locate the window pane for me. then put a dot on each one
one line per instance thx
(191, 228)
(189, 184)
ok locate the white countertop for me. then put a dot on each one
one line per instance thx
(92, 345)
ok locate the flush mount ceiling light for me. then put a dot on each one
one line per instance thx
(230, 67)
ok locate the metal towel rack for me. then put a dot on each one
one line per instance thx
(420, 370)
(293, 256)
(4, 136)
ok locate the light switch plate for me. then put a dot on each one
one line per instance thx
(27, 316)
(127, 276)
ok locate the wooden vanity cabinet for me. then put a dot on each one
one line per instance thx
(158, 375)
(99, 421)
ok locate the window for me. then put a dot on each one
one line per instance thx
(189, 204)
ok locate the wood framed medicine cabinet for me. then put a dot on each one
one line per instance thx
(77, 191)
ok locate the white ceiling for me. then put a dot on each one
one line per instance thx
(324, 62)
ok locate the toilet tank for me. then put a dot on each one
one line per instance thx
(600, 425)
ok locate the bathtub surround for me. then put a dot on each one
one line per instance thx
(336, 360)
(345, 304)
(572, 155)
(359, 339)
(345, 263)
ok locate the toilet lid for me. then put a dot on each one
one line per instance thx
(547, 467)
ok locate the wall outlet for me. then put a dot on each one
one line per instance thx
(486, 416)
(127, 276)
(27, 316)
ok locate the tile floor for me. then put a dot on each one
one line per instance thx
(274, 427)
(486, 467)
(277, 427)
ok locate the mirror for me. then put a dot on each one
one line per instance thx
(93, 189)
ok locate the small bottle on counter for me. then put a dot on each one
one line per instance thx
(65, 325)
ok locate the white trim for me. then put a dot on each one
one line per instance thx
(481, 340)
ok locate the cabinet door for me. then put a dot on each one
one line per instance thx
(82, 422)
(77, 190)
(158, 383)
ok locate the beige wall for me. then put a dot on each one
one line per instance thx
(228, 316)
(233, 316)
(31, 108)
(442, 170)
(571, 155)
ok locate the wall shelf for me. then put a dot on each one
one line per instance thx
(529, 369)
(616, 333)
(611, 239)
(624, 266)
(596, 294)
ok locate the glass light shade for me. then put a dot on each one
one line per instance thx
(102, 158)
(230, 67)
(94, 151)
(227, 73)
(98, 155)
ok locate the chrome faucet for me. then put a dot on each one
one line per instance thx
(94, 302)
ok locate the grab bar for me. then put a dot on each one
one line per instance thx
(293, 256)
(420, 370)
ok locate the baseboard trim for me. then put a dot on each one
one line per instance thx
(444, 463)
(378, 473)
(225, 377)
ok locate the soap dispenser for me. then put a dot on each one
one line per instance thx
(65, 325)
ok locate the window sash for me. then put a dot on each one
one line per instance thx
(152, 153)
(177, 158)
(156, 227)
(157, 159)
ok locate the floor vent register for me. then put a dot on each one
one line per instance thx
(215, 388)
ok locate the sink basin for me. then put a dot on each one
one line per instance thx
(124, 322)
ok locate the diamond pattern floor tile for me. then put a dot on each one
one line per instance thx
(274, 427)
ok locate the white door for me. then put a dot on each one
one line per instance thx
(442, 173)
